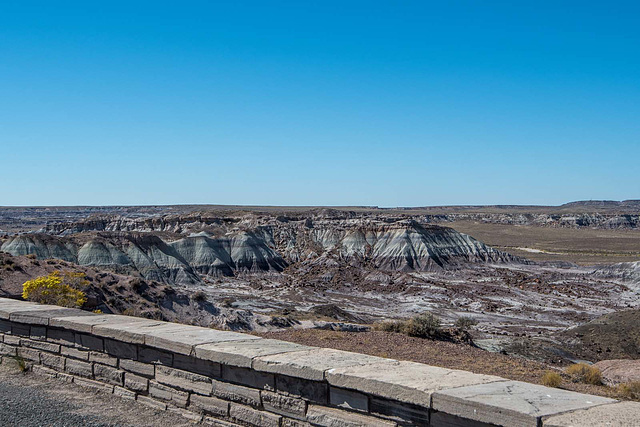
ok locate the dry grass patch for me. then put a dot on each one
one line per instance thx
(583, 373)
(630, 390)
(551, 379)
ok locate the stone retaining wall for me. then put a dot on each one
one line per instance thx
(227, 378)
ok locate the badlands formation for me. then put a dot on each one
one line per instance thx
(264, 268)
(179, 250)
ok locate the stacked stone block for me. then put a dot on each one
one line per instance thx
(226, 378)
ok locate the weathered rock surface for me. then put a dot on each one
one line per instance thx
(626, 271)
(622, 414)
(403, 381)
(511, 403)
(117, 293)
(569, 220)
(619, 371)
(307, 267)
(41, 245)
(249, 243)
(148, 255)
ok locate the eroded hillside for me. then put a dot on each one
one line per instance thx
(295, 266)
(180, 249)
(121, 294)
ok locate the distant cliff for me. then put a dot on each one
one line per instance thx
(177, 249)
(588, 220)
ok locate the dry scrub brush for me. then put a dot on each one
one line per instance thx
(551, 379)
(583, 373)
(630, 390)
(424, 325)
(465, 322)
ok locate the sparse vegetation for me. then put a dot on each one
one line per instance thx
(20, 362)
(137, 284)
(580, 245)
(63, 289)
(465, 322)
(583, 373)
(630, 390)
(424, 325)
(131, 311)
(9, 264)
(289, 311)
(551, 379)
(390, 326)
(227, 302)
(153, 314)
(199, 297)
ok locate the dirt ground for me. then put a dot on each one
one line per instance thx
(613, 336)
(436, 353)
(582, 246)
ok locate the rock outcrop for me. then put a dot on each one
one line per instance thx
(619, 371)
(116, 293)
(570, 220)
(41, 245)
(148, 255)
(177, 249)
(401, 246)
(625, 271)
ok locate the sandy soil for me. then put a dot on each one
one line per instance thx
(583, 246)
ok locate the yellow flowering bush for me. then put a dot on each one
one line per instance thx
(57, 288)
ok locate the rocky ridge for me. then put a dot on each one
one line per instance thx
(624, 271)
(569, 220)
(291, 264)
(180, 248)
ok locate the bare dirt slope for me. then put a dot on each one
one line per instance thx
(613, 336)
(121, 294)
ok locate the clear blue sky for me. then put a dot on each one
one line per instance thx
(388, 103)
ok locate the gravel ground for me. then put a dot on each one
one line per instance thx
(27, 400)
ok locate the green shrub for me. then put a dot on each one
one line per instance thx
(424, 325)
